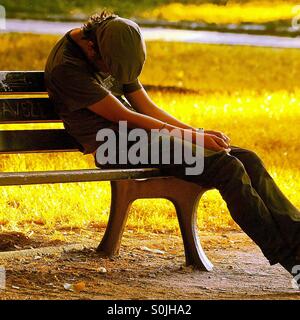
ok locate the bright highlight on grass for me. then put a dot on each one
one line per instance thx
(252, 94)
(233, 12)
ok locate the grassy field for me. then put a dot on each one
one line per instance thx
(233, 12)
(252, 94)
(236, 11)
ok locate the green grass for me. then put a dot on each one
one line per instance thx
(252, 94)
(195, 10)
(34, 8)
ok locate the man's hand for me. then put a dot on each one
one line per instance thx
(219, 134)
(212, 142)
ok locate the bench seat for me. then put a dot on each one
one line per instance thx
(67, 176)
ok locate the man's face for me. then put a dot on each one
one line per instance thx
(95, 58)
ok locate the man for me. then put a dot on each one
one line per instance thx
(87, 73)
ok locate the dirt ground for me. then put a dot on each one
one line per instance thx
(39, 269)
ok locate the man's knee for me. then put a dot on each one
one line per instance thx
(250, 158)
(224, 167)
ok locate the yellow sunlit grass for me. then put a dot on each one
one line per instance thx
(252, 94)
(233, 12)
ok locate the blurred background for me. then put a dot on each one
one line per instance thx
(225, 65)
(264, 16)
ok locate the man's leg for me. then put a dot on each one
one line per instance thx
(282, 210)
(227, 173)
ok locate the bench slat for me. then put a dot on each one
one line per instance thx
(33, 81)
(68, 176)
(50, 140)
(22, 81)
(27, 110)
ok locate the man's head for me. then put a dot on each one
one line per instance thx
(118, 43)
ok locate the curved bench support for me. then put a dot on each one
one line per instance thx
(184, 195)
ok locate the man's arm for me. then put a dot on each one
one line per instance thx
(141, 102)
(113, 110)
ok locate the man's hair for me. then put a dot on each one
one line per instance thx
(89, 28)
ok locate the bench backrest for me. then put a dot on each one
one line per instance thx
(23, 99)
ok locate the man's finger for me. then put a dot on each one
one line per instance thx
(222, 136)
(221, 142)
(217, 147)
(227, 139)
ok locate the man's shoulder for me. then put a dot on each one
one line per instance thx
(68, 70)
(63, 58)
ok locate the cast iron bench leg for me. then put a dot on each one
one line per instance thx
(185, 197)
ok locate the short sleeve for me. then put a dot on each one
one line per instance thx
(76, 87)
(131, 87)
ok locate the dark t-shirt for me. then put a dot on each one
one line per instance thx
(74, 85)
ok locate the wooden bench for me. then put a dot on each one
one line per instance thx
(126, 185)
